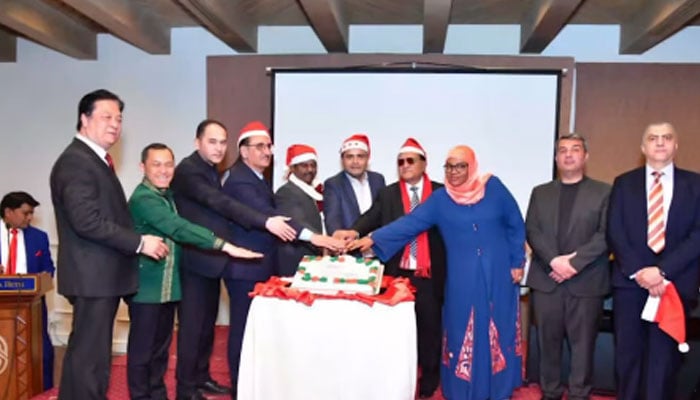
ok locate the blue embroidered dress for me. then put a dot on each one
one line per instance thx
(482, 349)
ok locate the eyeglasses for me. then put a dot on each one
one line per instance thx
(409, 161)
(460, 167)
(261, 146)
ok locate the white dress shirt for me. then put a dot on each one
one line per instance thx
(363, 194)
(21, 264)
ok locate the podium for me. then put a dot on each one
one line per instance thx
(21, 334)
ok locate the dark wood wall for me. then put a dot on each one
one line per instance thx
(615, 103)
(239, 88)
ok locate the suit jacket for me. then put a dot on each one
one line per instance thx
(340, 207)
(36, 246)
(585, 233)
(245, 186)
(200, 199)
(388, 207)
(97, 241)
(293, 202)
(627, 231)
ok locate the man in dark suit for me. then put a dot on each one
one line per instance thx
(25, 250)
(569, 272)
(246, 183)
(351, 192)
(649, 248)
(300, 200)
(97, 244)
(422, 261)
(199, 198)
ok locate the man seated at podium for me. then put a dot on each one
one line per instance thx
(24, 249)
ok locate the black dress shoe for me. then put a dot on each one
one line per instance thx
(213, 387)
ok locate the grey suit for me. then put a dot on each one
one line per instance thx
(293, 202)
(573, 307)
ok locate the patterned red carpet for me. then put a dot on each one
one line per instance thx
(219, 371)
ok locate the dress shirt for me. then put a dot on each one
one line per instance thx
(363, 194)
(412, 264)
(21, 262)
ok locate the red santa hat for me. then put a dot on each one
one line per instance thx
(411, 145)
(667, 311)
(358, 141)
(299, 153)
(254, 128)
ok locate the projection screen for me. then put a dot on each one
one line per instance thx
(509, 118)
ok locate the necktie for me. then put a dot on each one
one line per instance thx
(656, 228)
(12, 256)
(413, 249)
(110, 162)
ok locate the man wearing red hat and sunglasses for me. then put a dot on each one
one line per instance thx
(422, 261)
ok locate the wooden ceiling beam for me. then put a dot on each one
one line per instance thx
(327, 18)
(655, 21)
(224, 20)
(8, 47)
(436, 19)
(126, 20)
(46, 25)
(544, 21)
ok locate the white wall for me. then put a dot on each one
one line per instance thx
(165, 95)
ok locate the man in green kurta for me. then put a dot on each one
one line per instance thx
(152, 309)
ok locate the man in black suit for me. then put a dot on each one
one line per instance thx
(200, 199)
(652, 247)
(422, 261)
(300, 200)
(569, 272)
(246, 183)
(97, 244)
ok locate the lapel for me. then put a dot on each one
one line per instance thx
(576, 207)
(350, 194)
(253, 178)
(373, 185)
(552, 200)
(29, 250)
(100, 164)
(678, 199)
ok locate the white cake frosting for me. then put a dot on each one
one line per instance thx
(332, 274)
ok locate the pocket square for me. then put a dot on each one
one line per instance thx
(38, 253)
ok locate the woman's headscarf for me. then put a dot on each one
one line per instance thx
(472, 190)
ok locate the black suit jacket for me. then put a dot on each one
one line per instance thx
(585, 233)
(200, 199)
(245, 186)
(627, 231)
(340, 206)
(388, 207)
(293, 202)
(97, 243)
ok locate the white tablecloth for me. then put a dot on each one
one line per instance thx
(332, 350)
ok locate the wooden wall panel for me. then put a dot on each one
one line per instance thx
(239, 89)
(615, 103)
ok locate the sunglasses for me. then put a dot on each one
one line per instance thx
(409, 161)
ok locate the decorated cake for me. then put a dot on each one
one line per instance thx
(332, 274)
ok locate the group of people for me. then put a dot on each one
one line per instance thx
(462, 246)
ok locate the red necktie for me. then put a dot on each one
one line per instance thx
(110, 162)
(12, 259)
(319, 203)
(656, 228)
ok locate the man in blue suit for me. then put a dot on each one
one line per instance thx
(246, 184)
(351, 192)
(25, 250)
(652, 241)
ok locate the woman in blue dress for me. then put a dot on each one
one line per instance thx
(484, 237)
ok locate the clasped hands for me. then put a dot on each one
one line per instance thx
(651, 279)
(562, 268)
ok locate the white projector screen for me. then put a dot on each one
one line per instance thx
(509, 118)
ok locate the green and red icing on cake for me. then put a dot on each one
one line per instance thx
(331, 274)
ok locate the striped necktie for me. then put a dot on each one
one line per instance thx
(656, 227)
(413, 246)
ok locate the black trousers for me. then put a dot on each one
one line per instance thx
(195, 339)
(429, 329)
(150, 335)
(561, 315)
(88, 358)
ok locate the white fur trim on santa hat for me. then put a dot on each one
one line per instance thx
(251, 134)
(354, 145)
(412, 149)
(683, 347)
(303, 157)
